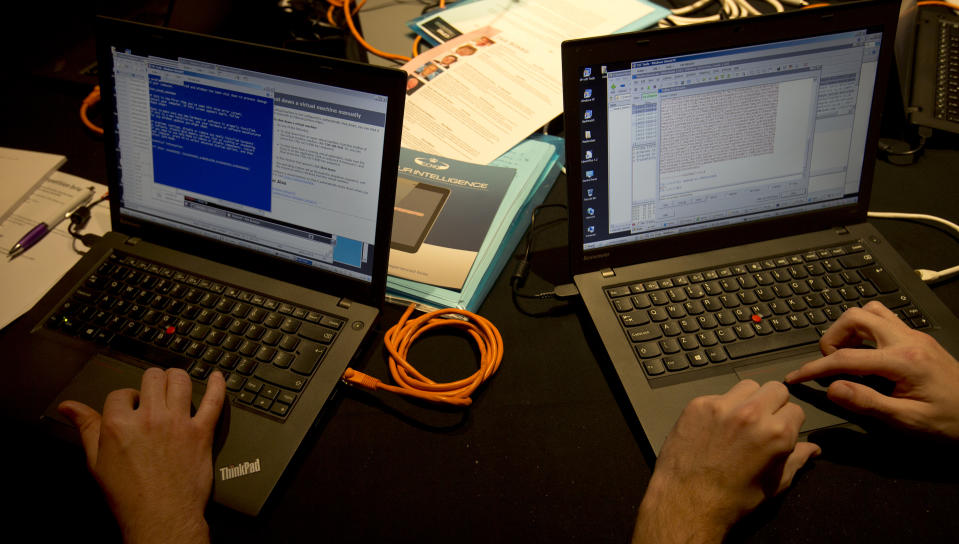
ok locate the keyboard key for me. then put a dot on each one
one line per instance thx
(281, 377)
(654, 367)
(317, 332)
(881, 279)
(674, 364)
(645, 333)
(697, 358)
(309, 355)
(648, 350)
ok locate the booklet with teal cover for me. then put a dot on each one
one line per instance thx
(443, 211)
(536, 161)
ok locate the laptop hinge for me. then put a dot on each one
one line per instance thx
(607, 273)
(344, 303)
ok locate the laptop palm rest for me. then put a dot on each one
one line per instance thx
(102, 375)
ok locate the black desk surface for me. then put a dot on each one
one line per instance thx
(547, 452)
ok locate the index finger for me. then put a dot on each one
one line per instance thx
(212, 402)
(858, 362)
(873, 322)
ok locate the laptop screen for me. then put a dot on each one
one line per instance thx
(680, 144)
(284, 167)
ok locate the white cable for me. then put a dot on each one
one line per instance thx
(776, 5)
(681, 21)
(749, 7)
(928, 276)
(692, 7)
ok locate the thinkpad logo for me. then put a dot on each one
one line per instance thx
(435, 164)
(242, 469)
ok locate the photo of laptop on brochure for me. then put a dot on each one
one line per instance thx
(251, 194)
(719, 178)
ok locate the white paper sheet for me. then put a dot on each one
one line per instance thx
(20, 173)
(488, 89)
(25, 279)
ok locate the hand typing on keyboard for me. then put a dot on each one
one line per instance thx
(152, 459)
(726, 454)
(926, 376)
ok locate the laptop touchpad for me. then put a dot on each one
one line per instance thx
(810, 396)
(94, 382)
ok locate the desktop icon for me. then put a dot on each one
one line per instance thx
(587, 72)
(589, 193)
(590, 211)
(591, 229)
(587, 93)
(588, 135)
(589, 154)
(588, 114)
(589, 173)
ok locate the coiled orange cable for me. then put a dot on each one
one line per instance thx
(410, 381)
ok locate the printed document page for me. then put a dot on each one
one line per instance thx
(477, 95)
(25, 279)
(20, 173)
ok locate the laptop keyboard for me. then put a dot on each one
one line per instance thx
(719, 316)
(267, 349)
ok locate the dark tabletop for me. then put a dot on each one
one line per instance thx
(549, 450)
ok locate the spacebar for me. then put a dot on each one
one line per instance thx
(150, 353)
(773, 342)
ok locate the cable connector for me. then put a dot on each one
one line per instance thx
(80, 217)
(519, 275)
(359, 379)
(566, 290)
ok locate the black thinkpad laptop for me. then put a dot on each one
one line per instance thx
(252, 193)
(719, 179)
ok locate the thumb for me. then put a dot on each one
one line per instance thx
(796, 460)
(87, 420)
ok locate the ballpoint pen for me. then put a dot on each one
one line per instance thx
(44, 227)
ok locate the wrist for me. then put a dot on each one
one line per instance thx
(674, 514)
(187, 530)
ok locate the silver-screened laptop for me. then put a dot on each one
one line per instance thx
(719, 178)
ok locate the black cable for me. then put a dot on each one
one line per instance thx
(78, 221)
(521, 272)
(901, 153)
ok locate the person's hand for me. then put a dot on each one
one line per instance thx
(927, 378)
(726, 454)
(152, 459)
